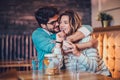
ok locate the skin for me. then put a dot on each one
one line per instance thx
(65, 30)
(64, 24)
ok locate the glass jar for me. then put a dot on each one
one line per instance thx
(51, 64)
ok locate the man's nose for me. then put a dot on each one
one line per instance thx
(57, 24)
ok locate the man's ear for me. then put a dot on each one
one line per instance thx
(43, 26)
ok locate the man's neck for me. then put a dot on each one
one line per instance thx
(47, 31)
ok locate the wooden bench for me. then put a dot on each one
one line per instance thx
(6, 65)
(109, 47)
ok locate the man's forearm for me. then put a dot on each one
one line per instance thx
(91, 43)
(75, 37)
(83, 31)
(84, 45)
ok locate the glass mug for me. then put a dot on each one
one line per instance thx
(51, 64)
(74, 67)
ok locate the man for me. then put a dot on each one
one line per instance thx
(44, 37)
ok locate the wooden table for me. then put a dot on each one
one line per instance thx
(64, 75)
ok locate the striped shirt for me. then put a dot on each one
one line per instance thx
(89, 60)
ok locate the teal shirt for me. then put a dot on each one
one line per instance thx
(43, 43)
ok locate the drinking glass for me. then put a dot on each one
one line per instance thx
(51, 64)
(74, 67)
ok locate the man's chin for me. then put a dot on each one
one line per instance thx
(56, 30)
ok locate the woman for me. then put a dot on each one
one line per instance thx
(87, 59)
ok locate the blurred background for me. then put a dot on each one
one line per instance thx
(18, 15)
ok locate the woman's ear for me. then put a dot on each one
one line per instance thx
(43, 26)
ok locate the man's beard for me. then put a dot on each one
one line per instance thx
(55, 30)
(52, 31)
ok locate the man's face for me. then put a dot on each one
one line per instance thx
(52, 25)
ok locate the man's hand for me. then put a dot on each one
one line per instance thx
(94, 42)
(75, 50)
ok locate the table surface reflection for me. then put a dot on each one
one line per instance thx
(64, 75)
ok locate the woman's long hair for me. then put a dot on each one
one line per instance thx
(74, 20)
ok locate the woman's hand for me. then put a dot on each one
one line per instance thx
(67, 47)
(60, 36)
(59, 39)
(72, 48)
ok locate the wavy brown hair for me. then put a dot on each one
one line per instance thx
(74, 20)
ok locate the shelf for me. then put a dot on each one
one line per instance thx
(111, 28)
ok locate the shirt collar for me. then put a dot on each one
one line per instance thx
(47, 31)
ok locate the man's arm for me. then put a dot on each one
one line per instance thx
(81, 46)
(42, 42)
(85, 30)
(91, 43)
(82, 32)
(75, 37)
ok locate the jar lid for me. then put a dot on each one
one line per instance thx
(50, 55)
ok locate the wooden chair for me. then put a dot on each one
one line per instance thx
(16, 51)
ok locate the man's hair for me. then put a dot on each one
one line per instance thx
(43, 14)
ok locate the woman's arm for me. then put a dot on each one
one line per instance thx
(87, 58)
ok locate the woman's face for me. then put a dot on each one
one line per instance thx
(64, 24)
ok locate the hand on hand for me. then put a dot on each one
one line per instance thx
(71, 48)
(67, 47)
